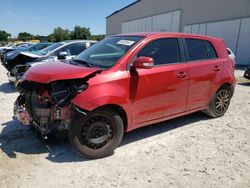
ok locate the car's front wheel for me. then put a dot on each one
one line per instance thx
(98, 134)
(220, 102)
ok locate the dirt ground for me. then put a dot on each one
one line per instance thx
(191, 151)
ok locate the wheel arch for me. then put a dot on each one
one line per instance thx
(227, 84)
(119, 110)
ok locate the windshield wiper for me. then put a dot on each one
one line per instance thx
(83, 62)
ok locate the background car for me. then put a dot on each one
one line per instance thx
(17, 65)
(247, 73)
(31, 48)
(9, 48)
(231, 54)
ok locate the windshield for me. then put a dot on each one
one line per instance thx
(107, 52)
(45, 51)
(29, 47)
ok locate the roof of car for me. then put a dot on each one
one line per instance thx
(167, 34)
(74, 41)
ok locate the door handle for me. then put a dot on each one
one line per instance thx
(181, 75)
(216, 68)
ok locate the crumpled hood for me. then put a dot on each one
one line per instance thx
(53, 71)
(30, 54)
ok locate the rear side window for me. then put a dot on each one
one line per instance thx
(196, 49)
(211, 53)
(163, 51)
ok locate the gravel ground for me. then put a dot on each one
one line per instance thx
(191, 151)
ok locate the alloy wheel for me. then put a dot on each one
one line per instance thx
(222, 101)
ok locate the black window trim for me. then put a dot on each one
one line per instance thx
(187, 53)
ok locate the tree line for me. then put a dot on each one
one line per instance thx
(58, 34)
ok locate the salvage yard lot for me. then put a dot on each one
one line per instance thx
(191, 151)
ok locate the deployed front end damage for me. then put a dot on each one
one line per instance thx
(48, 107)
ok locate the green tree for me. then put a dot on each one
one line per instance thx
(97, 37)
(60, 34)
(80, 33)
(25, 36)
(51, 38)
(4, 36)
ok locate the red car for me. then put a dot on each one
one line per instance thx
(125, 82)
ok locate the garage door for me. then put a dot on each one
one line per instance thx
(168, 22)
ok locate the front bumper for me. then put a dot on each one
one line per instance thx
(20, 113)
(43, 119)
(12, 79)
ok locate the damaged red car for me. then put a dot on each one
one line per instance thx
(125, 82)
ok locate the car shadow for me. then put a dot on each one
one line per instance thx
(7, 88)
(244, 84)
(16, 138)
(156, 129)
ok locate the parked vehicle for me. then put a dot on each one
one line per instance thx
(9, 48)
(32, 48)
(231, 54)
(247, 73)
(17, 64)
(125, 82)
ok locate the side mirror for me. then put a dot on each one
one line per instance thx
(143, 63)
(62, 55)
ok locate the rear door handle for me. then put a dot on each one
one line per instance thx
(181, 74)
(216, 68)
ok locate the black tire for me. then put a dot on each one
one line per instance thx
(85, 131)
(219, 102)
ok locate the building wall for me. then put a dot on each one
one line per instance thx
(167, 22)
(228, 19)
(193, 11)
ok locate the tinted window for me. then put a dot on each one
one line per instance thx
(196, 49)
(163, 51)
(72, 49)
(77, 48)
(50, 48)
(211, 54)
(39, 47)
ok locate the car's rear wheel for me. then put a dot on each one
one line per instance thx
(220, 102)
(98, 134)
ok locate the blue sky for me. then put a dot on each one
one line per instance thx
(42, 16)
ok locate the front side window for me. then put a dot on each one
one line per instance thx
(196, 49)
(107, 52)
(163, 51)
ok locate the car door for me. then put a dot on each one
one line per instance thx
(162, 90)
(204, 67)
